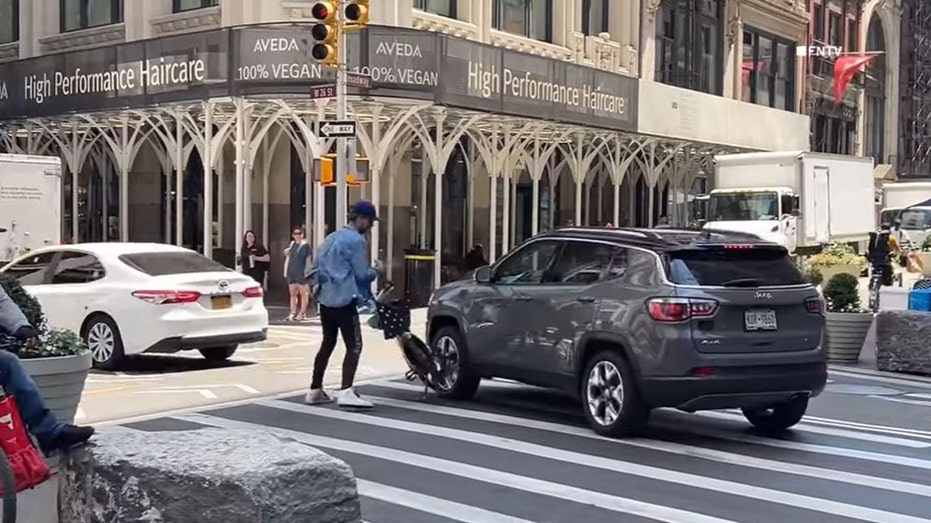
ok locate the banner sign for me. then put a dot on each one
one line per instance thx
(275, 59)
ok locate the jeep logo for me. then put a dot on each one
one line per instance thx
(763, 295)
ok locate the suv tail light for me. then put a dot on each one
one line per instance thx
(253, 292)
(167, 297)
(815, 305)
(671, 310)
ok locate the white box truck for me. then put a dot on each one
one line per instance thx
(797, 199)
(30, 203)
(910, 204)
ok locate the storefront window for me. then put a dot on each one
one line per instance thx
(84, 14)
(594, 16)
(530, 18)
(769, 65)
(688, 44)
(9, 21)
(445, 8)
(188, 5)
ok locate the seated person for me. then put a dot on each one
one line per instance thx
(51, 434)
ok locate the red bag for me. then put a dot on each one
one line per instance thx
(29, 468)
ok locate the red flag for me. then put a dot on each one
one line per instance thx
(845, 67)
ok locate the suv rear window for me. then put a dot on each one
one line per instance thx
(168, 263)
(732, 267)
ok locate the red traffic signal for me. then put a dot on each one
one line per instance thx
(324, 11)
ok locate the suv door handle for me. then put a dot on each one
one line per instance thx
(586, 299)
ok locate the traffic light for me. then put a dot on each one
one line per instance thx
(357, 12)
(325, 171)
(325, 33)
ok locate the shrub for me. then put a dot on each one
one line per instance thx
(52, 342)
(814, 276)
(842, 294)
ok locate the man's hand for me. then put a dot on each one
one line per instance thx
(26, 334)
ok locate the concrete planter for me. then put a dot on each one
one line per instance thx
(925, 259)
(61, 382)
(844, 333)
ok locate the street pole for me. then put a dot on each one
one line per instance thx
(342, 162)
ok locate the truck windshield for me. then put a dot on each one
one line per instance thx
(889, 216)
(916, 219)
(744, 206)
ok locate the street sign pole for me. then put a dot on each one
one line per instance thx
(342, 163)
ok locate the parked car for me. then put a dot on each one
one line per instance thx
(135, 298)
(629, 320)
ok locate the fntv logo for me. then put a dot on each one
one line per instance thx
(825, 51)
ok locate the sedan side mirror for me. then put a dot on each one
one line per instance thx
(482, 274)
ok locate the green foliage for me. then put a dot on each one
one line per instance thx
(842, 294)
(813, 276)
(838, 254)
(926, 245)
(52, 342)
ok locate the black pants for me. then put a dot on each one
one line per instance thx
(338, 321)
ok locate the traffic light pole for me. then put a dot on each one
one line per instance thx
(342, 160)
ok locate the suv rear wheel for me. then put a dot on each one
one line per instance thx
(455, 379)
(610, 397)
(778, 417)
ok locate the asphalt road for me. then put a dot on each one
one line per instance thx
(519, 454)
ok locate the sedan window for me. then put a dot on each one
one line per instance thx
(168, 263)
(77, 267)
(32, 270)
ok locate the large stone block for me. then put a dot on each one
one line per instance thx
(204, 476)
(903, 341)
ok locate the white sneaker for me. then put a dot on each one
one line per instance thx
(348, 398)
(289, 318)
(317, 397)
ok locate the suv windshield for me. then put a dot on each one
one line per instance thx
(743, 206)
(168, 263)
(719, 267)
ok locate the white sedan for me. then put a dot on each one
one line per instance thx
(135, 298)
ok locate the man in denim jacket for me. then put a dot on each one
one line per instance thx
(343, 276)
(52, 434)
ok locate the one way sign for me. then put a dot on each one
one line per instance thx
(336, 129)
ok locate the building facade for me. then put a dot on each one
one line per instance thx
(190, 122)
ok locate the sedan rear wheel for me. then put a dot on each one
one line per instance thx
(102, 337)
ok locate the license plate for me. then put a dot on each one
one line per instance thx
(221, 302)
(760, 320)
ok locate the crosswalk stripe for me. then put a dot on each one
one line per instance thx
(491, 476)
(883, 379)
(655, 473)
(432, 505)
(669, 447)
(902, 431)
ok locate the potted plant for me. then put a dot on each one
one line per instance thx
(58, 363)
(846, 322)
(838, 258)
(813, 276)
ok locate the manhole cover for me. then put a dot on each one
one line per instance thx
(864, 390)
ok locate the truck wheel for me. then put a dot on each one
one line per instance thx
(102, 337)
(611, 398)
(458, 381)
(778, 417)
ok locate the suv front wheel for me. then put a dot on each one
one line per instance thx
(778, 417)
(454, 377)
(610, 397)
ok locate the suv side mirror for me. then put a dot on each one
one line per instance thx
(482, 274)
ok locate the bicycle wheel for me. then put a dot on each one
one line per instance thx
(8, 483)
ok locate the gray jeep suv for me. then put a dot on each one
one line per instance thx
(633, 319)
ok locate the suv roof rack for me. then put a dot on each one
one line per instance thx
(657, 239)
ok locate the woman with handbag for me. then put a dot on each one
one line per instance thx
(255, 258)
(297, 261)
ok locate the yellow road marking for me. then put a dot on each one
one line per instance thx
(106, 391)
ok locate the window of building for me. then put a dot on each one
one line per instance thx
(769, 70)
(530, 18)
(818, 18)
(689, 44)
(84, 14)
(9, 21)
(189, 5)
(874, 127)
(445, 8)
(594, 16)
(851, 36)
(835, 29)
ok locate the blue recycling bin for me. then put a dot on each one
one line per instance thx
(919, 300)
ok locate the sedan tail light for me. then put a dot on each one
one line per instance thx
(167, 297)
(672, 310)
(253, 292)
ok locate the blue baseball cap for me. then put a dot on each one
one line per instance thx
(365, 209)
